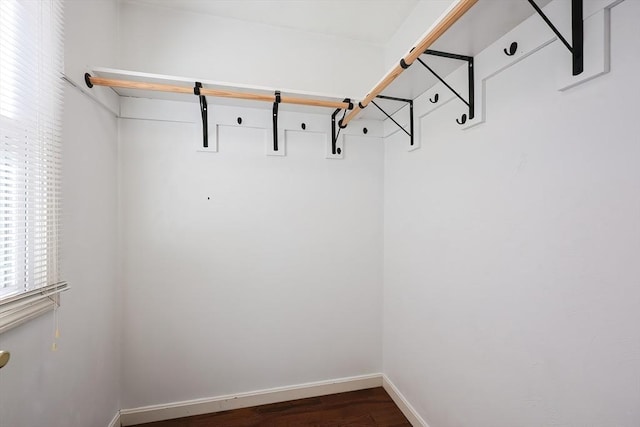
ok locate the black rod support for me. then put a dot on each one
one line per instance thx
(348, 101)
(472, 91)
(411, 120)
(203, 113)
(447, 55)
(393, 98)
(408, 101)
(205, 124)
(550, 24)
(334, 137)
(391, 118)
(443, 81)
(577, 33)
(275, 121)
(471, 80)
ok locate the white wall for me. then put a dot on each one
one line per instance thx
(511, 251)
(166, 41)
(275, 280)
(78, 385)
(91, 39)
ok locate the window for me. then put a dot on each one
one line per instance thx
(31, 66)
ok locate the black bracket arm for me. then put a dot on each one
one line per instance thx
(577, 33)
(203, 113)
(275, 120)
(469, 60)
(334, 136)
(408, 101)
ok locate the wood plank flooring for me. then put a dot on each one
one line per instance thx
(363, 408)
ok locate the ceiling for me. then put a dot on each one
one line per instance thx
(365, 20)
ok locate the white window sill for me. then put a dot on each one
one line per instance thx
(23, 307)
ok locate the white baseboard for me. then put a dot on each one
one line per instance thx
(188, 408)
(115, 422)
(412, 415)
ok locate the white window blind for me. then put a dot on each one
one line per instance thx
(31, 66)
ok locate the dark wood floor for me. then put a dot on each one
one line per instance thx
(362, 408)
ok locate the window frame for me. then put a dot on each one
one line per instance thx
(20, 308)
(35, 291)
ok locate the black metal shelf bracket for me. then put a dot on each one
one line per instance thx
(203, 113)
(408, 101)
(469, 60)
(275, 120)
(334, 136)
(577, 33)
